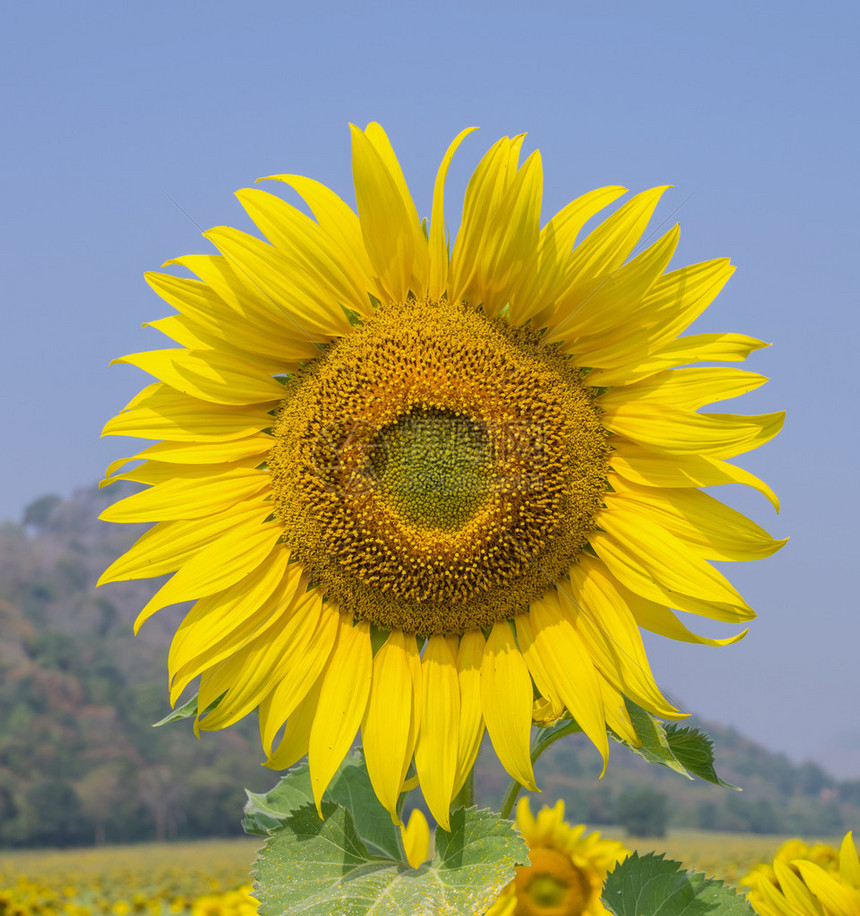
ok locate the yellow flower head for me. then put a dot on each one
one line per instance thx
(566, 871)
(413, 486)
(807, 881)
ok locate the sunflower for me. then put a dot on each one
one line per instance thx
(416, 489)
(566, 871)
(807, 881)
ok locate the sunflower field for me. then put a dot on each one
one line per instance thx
(182, 879)
(210, 878)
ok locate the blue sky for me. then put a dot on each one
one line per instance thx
(128, 126)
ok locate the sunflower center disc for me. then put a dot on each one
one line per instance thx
(551, 886)
(434, 468)
(435, 471)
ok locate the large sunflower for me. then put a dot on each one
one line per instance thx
(413, 489)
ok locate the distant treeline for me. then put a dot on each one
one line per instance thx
(80, 762)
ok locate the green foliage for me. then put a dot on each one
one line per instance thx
(653, 886)
(322, 867)
(350, 787)
(642, 812)
(694, 750)
(688, 751)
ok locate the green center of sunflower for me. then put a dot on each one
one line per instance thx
(546, 891)
(436, 471)
(433, 468)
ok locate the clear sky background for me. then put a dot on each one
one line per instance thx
(127, 126)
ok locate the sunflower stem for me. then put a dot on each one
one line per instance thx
(465, 798)
(550, 737)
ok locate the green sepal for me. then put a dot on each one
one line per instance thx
(656, 886)
(188, 710)
(321, 866)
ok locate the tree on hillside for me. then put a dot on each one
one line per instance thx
(643, 812)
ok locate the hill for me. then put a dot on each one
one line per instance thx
(80, 762)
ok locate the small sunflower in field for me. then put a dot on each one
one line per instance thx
(414, 486)
(807, 881)
(566, 871)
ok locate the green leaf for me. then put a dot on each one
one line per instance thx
(321, 868)
(695, 750)
(655, 746)
(350, 787)
(653, 886)
(265, 812)
(688, 751)
(187, 711)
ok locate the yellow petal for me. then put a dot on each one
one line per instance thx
(617, 717)
(161, 412)
(249, 675)
(337, 219)
(181, 498)
(295, 740)
(510, 242)
(306, 305)
(211, 375)
(484, 192)
(469, 660)
(568, 663)
(205, 453)
(610, 632)
(641, 465)
(436, 752)
(218, 565)
(714, 530)
(291, 690)
(773, 897)
(849, 862)
(668, 430)
(669, 559)
(342, 702)
(438, 242)
(835, 897)
(652, 563)
(545, 275)
(305, 243)
(416, 838)
(242, 291)
(686, 389)
(389, 222)
(695, 348)
(155, 472)
(181, 330)
(531, 653)
(168, 545)
(609, 245)
(207, 318)
(672, 303)
(220, 625)
(599, 311)
(795, 891)
(388, 730)
(660, 620)
(506, 701)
